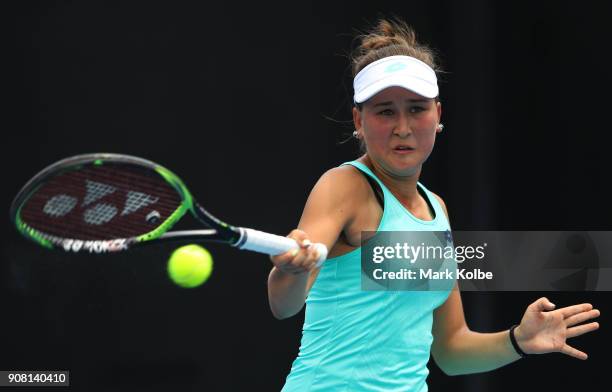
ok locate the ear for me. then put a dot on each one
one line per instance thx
(439, 109)
(357, 118)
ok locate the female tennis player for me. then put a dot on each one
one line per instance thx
(356, 340)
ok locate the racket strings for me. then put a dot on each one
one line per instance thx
(101, 202)
(93, 223)
(95, 218)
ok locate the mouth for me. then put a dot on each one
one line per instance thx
(403, 149)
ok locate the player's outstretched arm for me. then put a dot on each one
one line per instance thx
(330, 207)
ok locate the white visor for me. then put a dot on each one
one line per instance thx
(400, 71)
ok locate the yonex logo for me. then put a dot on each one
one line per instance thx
(94, 246)
(100, 213)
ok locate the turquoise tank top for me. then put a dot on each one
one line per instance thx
(355, 340)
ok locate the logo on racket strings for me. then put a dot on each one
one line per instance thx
(100, 213)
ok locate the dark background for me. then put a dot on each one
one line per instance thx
(248, 102)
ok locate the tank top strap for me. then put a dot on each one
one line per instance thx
(369, 172)
(435, 203)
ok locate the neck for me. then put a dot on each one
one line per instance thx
(404, 188)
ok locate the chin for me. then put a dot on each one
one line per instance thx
(406, 169)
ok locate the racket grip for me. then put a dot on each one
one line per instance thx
(272, 244)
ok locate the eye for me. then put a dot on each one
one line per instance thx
(386, 112)
(417, 109)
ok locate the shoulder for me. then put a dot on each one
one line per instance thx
(442, 203)
(343, 182)
(337, 195)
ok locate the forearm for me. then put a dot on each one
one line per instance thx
(473, 352)
(286, 292)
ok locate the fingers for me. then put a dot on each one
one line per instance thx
(542, 304)
(304, 258)
(299, 260)
(296, 261)
(569, 350)
(298, 235)
(581, 317)
(575, 309)
(581, 329)
(292, 263)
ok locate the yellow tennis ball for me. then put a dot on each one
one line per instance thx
(190, 266)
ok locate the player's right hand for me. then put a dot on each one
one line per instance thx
(297, 261)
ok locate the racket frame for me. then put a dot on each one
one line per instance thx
(220, 231)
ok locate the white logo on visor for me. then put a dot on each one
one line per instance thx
(395, 67)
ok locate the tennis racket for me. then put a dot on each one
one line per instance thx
(101, 203)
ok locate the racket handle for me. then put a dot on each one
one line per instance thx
(272, 244)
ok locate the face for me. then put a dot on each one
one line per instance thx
(399, 129)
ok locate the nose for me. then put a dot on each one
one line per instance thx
(402, 128)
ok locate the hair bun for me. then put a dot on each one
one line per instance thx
(376, 42)
(389, 38)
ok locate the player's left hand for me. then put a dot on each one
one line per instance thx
(545, 330)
